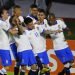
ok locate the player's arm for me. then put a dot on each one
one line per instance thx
(21, 28)
(66, 29)
(13, 31)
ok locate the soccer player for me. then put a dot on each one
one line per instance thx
(4, 42)
(33, 13)
(16, 11)
(24, 48)
(61, 47)
(42, 25)
(5, 18)
(42, 21)
(38, 46)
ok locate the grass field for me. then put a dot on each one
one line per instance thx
(10, 73)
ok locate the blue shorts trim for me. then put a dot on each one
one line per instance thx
(14, 50)
(64, 55)
(5, 57)
(44, 57)
(26, 58)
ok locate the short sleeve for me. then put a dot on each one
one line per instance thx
(63, 25)
(3, 25)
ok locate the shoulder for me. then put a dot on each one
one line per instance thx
(2, 22)
(60, 21)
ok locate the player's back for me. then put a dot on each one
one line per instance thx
(35, 39)
(23, 43)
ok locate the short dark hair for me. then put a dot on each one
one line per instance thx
(16, 6)
(51, 14)
(33, 6)
(42, 11)
(2, 10)
(27, 20)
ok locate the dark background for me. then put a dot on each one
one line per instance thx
(65, 1)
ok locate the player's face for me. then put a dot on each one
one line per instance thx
(5, 14)
(34, 11)
(41, 16)
(30, 25)
(52, 19)
(17, 12)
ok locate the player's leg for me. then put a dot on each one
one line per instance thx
(70, 60)
(45, 61)
(32, 63)
(6, 61)
(39, 63)
(23, 57)
(33, 70)
(14, 51)
(22, 71)
(3, 71)
(65, 55)
(16, 68)
(59, 54)
(66, 69)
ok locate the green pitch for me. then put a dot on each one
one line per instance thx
(10, 73)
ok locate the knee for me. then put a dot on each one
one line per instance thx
(6, 68)
(34, 67)
(23, 67)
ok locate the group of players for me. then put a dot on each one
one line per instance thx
(26, 38)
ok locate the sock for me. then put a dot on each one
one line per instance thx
(33, 72)
(22, 72)
(47, 73)
(3, 71)
(39, 63)
(67, 71)
(16, 70)
(62, 72)
(5, 74)
(1, 74)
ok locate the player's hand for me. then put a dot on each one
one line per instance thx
(13, 31)
(58, 31)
